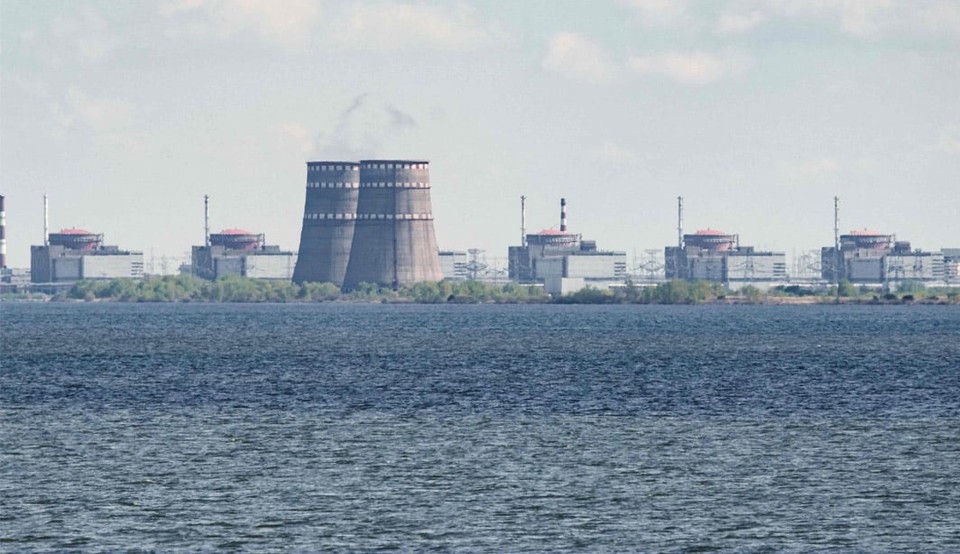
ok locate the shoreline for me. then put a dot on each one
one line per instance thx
(771, 301)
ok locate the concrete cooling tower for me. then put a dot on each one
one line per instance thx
(394, 243)
(328, 222)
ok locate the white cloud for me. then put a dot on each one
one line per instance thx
(364, 129)
(690, 68)
(577, 57)
(387, 26)
(816, 167)
(287, 23)
(84, 37)
(734, 23)
(657, 12)
(612, 153)
(298, 134)
(941, 18)
(98, 114)
(861, 17)
(949, 140)
(858, 18)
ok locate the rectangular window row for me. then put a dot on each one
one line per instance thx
(322, 185)
(394, 166)
(333, 168)
(402, 217)
(396, 216)
(330, 216)
(394, 185)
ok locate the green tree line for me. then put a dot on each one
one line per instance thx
(185, 288)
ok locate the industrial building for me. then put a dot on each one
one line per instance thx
(870, 257)
(76, 254)
(394, 243)
(454, 265)
(712, 255)
(241, 253)
(551, 256)
(951, 265)
(329, 217)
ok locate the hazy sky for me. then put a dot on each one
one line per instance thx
(758, 113)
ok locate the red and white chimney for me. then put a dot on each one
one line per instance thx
(563, 215)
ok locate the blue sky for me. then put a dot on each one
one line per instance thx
(758, 113)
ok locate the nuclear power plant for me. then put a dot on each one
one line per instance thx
(872, 257)
(371, 222)
(561, 259)
(237, 252)
(713, 255)
(76, 254)
(368, 222)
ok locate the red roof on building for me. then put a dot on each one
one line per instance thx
(711, 233)
(235, 232)
(75, 232)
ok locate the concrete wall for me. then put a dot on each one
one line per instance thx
(597, 266)
(394, 243)
(707, 268)
(551, 268)
(920, 266)
(865, 270)
(563, 285)
(41, 268)
(770, 266)
(453, 265)
(270, 266)
(329, 220)
(113, 266)
(67, 269)
(223, 267)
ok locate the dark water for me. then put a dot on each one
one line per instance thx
(479, 428)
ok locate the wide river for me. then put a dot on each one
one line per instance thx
(479, 428)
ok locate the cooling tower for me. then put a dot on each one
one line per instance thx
(394, 243)
(328, 222)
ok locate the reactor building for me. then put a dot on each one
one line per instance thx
(368, 222)
(243, 254)
(871, 257)
(76, 254)
(712, 255)
(554, 257)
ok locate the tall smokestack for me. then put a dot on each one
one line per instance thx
(46, 221)
(563, 215)
(206, 220)
(838, 259)
(680, 222)
(3, 234)
(523, 221)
